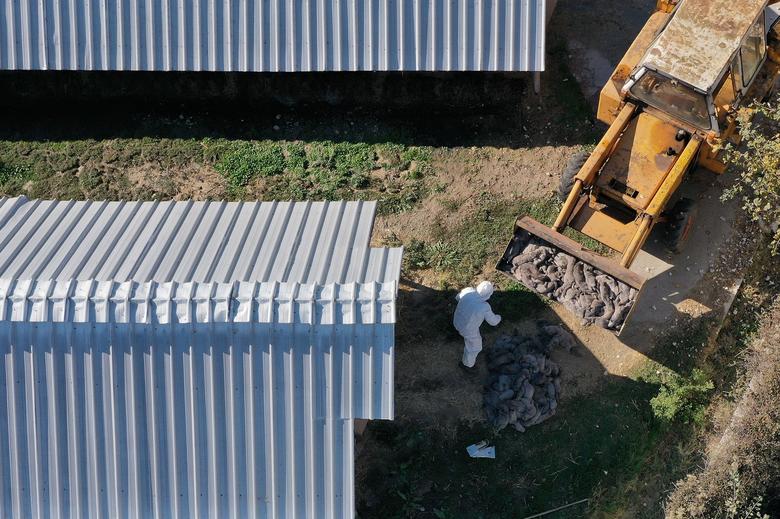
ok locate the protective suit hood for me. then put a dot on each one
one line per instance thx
(485, 290)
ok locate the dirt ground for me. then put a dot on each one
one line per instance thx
(467, 173)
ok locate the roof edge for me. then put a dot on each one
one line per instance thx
(93, 301)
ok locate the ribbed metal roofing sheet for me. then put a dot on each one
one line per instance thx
(189, 359)
(223, 242)
(273, 35)
(188, 400)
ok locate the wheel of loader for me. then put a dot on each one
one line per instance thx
(567, 177)
(682, 218)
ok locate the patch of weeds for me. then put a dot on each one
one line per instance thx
(406, 197)
(90, 180)
(296, 161)
(390, 156)
(343, 158)
(13, 178)
(451, 205)
(442, 256)
(392, 240)
(417, 160)
(596, 444)
(416, 255)
(683, 398)
(245, 160)
(439, 188)
(319, 170)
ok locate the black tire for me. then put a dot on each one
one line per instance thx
(567, 177)
(682, 218)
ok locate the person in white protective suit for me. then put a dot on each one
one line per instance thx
(473, 309)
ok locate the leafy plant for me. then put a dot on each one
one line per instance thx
(245, 160)
(740, 506)
(416, 255)
(402, 198)
(682, 398)
(757, 161)
(10, 173)
(442, 256)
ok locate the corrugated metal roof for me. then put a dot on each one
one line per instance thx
(273, 35)
(190, 400)
(698, 43)
(223, 242)
(173, 381)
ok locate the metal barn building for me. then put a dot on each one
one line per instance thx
(189, 359)
(274, 35)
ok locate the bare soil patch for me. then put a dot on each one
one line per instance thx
(463, 174)
(188, 182)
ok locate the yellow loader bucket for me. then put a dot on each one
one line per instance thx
(596, 289)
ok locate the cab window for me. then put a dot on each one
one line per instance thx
(736, 71)
(725, 97)
(752, 51)
(673, 98)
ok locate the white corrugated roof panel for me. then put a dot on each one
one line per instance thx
(187, 386)
(273, 35)
(305, 242)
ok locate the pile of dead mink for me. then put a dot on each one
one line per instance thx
(523, 387)
(586, 291)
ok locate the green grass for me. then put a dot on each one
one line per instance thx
(329, 170)
(463, 252)
(13, 177)
(596, 443)
(248, 159)
(281, 170)
(610, 448)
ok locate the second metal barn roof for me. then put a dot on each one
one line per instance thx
(273, 35)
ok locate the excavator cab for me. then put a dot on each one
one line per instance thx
(671, 105)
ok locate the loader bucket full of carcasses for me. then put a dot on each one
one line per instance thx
(595, 289)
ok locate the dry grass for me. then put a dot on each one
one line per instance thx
(743, 464)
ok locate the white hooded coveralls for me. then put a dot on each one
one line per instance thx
(473, 309)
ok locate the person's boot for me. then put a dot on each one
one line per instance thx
(468, 370)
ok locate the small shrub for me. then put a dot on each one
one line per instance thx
(738, 505)
(682, 398)
(757, 161)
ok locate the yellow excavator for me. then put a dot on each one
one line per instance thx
(672, 104)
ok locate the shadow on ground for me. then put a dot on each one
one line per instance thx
(437, 109)
(417, 465)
